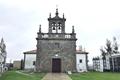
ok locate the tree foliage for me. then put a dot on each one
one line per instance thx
(109, 48)
(115, 46)
(103, 53)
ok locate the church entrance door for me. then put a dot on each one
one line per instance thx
(56, 65)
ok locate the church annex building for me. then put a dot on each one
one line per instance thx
(56, 50)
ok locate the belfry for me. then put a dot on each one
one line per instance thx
(56, 49)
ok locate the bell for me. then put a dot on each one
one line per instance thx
(53, 28)
(59, 28)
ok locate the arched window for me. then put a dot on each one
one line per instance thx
(53, 27)
(59, 27)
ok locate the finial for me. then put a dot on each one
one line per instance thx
(56, 12)
(114, 38)
(3, 46)
(40, 28)
(63, 15)
(73, 29)
(2, 40)
(50, 15)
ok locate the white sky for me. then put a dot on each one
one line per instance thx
(94, 21)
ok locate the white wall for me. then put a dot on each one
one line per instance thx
(29, 58)
(101, 65)
(107, 62)
(81, 67)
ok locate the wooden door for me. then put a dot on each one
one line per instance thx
(56, 65)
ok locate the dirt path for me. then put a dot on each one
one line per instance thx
(56, 76)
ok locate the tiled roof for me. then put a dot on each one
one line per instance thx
(81, 52)
(30, 52)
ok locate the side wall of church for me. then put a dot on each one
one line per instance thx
(63, 49)
(81, 62)
(29, 59)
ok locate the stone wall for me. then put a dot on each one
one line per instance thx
(63, 49)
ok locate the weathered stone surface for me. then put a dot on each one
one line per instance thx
(47, 50)
(56, 45)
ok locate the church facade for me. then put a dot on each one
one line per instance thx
(56, 50)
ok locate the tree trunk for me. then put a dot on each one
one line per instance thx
(112, 64)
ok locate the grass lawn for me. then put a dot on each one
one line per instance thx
(95, 76)
(14, 75)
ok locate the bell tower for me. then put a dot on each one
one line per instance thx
(56, 48)
(56, 24)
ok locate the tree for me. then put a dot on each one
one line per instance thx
(115, 46)
(108, 50)
(103, 53)
(108, 47)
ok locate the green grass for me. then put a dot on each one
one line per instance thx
(13, 75)
(95, 76)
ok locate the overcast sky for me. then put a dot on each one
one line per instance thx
(94, 21)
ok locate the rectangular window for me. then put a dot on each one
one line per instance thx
(80, 60)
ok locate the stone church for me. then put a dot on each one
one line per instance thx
(56, 50)
(3, 55)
